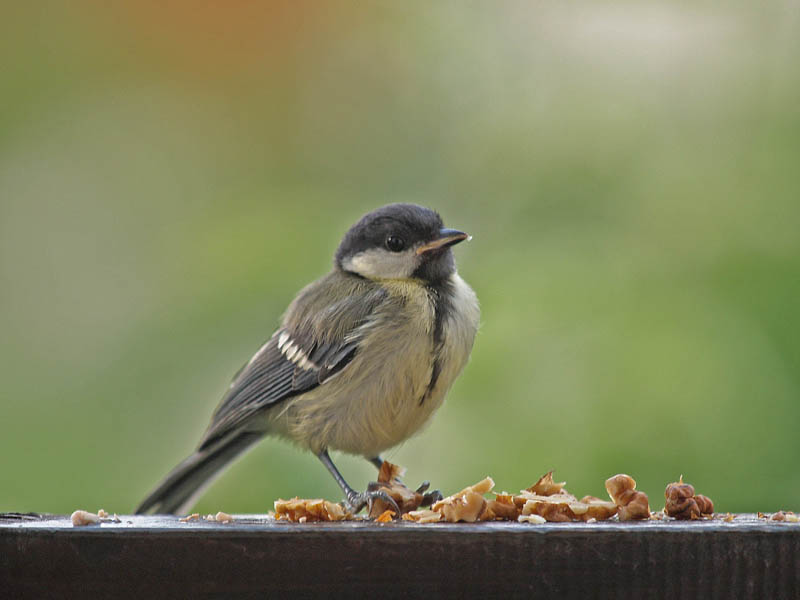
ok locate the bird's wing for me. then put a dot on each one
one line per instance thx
(318, 339)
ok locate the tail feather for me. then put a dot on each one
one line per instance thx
(178, 491)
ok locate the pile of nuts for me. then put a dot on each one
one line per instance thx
(300, 510)
(546, 500)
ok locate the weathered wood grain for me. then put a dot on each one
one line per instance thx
(148, 557)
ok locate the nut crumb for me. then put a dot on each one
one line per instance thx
(385, 517)
(546, 486)
(191, 517)
(389, 472)
(785, 516)
(501, 508)
(222, 517)
(423, 516)
(81, 518)
(104, 516)
(310, 510)
(533, 519)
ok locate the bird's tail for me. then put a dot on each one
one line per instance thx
(178, 491)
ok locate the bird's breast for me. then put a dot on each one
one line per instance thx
(389, 391)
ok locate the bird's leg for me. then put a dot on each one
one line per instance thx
(356, 500)
(428, 499)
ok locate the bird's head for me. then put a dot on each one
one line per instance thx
(399, 241)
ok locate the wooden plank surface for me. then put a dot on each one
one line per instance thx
(256, 557)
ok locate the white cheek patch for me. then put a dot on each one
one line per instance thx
(382, 264)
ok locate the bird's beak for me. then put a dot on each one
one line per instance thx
(447, 237)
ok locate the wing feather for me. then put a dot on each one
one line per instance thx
(296, 359)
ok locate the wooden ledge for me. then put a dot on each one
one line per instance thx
(147, 557)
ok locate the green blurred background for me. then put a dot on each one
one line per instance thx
(171, 174)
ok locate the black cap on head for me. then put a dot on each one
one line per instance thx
(400, 228)
(408, 222)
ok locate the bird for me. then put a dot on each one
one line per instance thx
(361, 360)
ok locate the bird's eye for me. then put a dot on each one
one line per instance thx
(395, 244)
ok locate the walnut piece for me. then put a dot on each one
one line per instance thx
(563, 507)
(631, 504)
(549, 500)
(555, 508)
(389, 472)
(301, 510)
(388, 481)
(81, 518)
(501, 508)
(423, 516)
(786, 516)
(681, 502)
(546, 486)
(385, 517)
(705, 504)
(545, 500)
(535, 519)
(191, 517)
(468, 505)
(596, 508)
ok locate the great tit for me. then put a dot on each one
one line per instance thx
(363, 357)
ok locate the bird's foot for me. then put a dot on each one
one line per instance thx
(358, 500)
(428, 498)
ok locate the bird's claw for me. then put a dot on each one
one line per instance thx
(377, 491)
(431, 498)
(358, 500)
